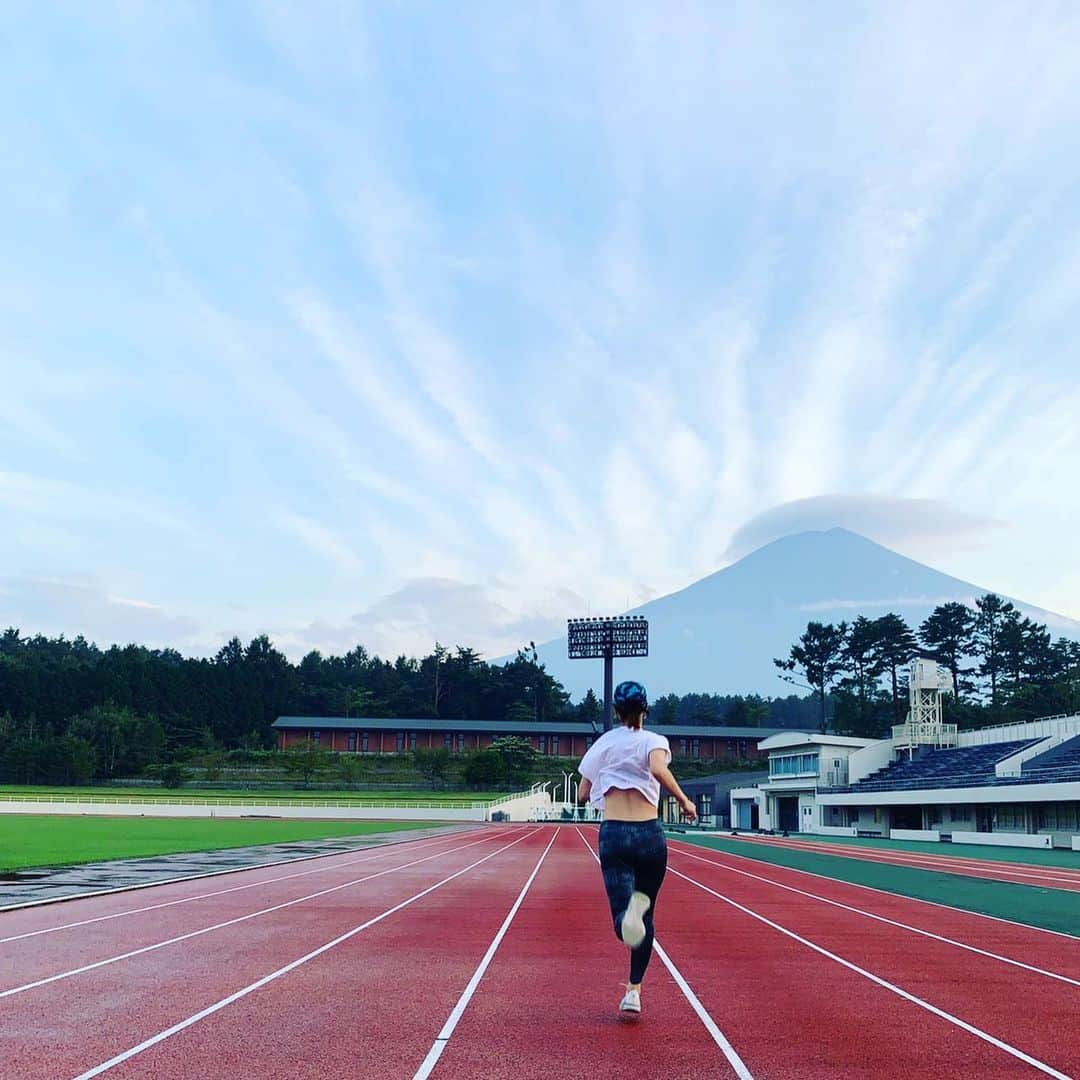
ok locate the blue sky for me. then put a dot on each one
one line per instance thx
(391, 323)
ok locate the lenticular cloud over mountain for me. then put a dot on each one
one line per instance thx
(721, 633)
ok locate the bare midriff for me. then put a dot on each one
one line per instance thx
(626, 804)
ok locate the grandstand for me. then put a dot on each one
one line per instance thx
(1016, 785)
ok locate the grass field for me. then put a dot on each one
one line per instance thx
(28, 840)
(361, 798)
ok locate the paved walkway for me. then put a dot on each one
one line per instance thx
(67, 882)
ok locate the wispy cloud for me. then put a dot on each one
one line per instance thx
(506, 301)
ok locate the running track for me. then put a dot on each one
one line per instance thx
(1051, 877)
(489, 954)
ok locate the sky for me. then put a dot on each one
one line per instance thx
(391, 323)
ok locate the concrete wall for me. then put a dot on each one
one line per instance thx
(915, 834)
(233, 810)
(1001, 839)
(868, 760)
(1033, 729)
(836, 830)
(522, 807)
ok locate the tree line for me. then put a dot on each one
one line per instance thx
(71, 711)
(1005, 667)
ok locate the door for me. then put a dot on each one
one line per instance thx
(787, 813)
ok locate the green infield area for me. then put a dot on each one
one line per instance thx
(1054, 909)
(15, 792)
(1035, 856)
(29, 840)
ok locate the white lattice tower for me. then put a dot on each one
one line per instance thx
(928, 681)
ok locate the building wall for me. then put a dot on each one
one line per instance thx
(563, 745)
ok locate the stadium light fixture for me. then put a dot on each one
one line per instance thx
(605, 639)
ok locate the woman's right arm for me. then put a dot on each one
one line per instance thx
(658, 766)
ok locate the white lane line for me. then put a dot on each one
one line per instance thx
(369, 855)
(161, 1036)
(883, 892)
(880, 918)
(711, 1027)
(884, 983)
(67, 897)
(228, 922)
(439, 1045)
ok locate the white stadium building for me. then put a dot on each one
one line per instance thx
(1014, 785)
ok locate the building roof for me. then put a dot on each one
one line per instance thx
(782, 740)
(722, 781)
(504, 727)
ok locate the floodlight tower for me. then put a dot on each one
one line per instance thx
(605, 639)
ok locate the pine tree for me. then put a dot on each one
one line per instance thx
(948, 635)
(993, 612)
(818, 656)
(896, 646)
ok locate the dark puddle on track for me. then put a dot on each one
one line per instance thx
(41, 885)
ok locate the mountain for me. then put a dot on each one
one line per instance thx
(720, 634)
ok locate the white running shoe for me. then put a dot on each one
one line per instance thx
(633, 924)
(631, 1002)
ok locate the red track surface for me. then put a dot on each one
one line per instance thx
(1050, 877)
(805, 976)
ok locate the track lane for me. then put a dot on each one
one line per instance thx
(547, 1005)
(74, 913)
(56, 1029)
(27, 960)
(1055, 955)
(1053, 877)
(771, 987)
(980, 990)
(369, 1007)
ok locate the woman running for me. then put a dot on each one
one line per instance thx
(621, 775)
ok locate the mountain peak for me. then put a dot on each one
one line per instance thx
(720, 634)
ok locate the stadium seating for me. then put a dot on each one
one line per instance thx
(964, 766)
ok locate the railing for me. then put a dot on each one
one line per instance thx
(164, 800)
(924, 734)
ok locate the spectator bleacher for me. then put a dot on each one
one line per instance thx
(965, 766)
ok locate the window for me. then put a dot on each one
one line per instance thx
(352, 742)
(448, 740)
(400, 741)
(682, 748)
(412, 740)
(793, 764)
(316, 737)
(589, 740)
(363, 742)
(934, 815)
(541, 742)
(555, 744)
(695, 748)
(704, 805)
(461, 741)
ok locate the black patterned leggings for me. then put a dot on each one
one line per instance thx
(633, 858)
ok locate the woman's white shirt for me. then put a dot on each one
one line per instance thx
(620, 759)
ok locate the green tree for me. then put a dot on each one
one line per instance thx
(518, 757)
(818, 658)
(432, 763)
(864, 666)
(993, 614)
(483, 769)
(948, 635)
(895, 647)
(351, 768)
(305, 761)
